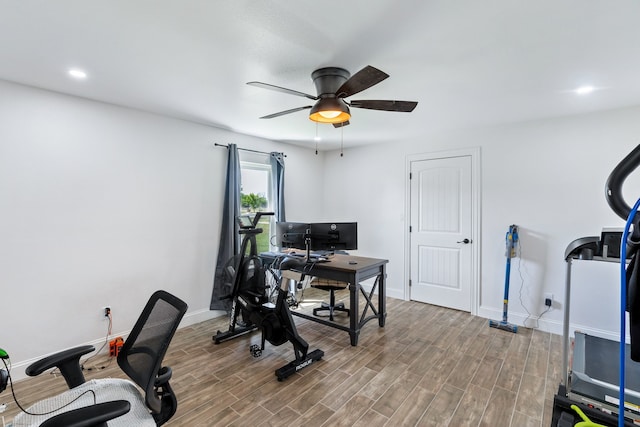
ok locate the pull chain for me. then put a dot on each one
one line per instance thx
(317, 138)
(341, 139)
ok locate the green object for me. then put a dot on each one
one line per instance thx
(3, 354)
(586, 421)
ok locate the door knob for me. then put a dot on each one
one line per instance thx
(465, 241)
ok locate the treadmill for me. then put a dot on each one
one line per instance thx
(592, 383)
(593, 380)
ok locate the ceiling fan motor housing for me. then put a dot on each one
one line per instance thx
(328, 80)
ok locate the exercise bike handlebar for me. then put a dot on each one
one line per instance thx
(251, 228)
(613, 187)
(259, 215)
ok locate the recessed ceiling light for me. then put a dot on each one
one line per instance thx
(317, 138)
(584, 90)
(77, 73)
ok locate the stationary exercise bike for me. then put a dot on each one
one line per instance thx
(249, 299)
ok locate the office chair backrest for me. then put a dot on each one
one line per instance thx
(142, 353)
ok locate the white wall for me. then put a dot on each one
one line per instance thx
(547, 177)
(102, 205)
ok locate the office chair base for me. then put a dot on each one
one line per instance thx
(296, 365)
(339, 307)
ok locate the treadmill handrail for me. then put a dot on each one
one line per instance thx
(579, 248)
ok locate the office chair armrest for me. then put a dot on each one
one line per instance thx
(89, 416)
(163, 377)
(68, 361)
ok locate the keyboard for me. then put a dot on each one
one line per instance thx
(312, 257)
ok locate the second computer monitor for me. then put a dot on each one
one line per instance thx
(333, 236)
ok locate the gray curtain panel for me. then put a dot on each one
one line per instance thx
(229, 239)
(277, 175)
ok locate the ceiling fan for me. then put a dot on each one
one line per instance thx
(333, 85)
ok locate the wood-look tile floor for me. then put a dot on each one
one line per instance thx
(429, 366)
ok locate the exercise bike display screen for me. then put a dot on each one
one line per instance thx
(245, 221)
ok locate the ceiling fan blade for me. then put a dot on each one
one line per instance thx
(282, 89)
(282, 113)
(339, 125)
(360, 81)
(372, 104)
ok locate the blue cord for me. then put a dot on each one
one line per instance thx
(623, 310)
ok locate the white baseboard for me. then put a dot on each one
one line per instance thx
(541, 324)
(200, 316)
(552, 326)
(190, 318)
(392, 293)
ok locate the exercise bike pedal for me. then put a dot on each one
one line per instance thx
(255, 350)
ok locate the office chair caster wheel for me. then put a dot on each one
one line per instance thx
(255, 350)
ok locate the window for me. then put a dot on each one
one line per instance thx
(255, 193)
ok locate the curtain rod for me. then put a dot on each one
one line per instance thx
(245, 149)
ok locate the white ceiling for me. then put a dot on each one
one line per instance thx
(467, 62)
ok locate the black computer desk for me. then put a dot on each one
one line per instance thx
(353, 270)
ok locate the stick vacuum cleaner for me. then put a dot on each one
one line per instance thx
(512, 243)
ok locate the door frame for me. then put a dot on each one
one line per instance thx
(476, 175)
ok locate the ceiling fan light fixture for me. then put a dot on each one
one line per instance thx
(330, 110)
(329, 114)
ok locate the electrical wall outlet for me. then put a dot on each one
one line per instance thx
(548, 299)
(106, 310)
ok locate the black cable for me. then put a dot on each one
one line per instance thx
(56, 371)
(15, 399)
(106, 340)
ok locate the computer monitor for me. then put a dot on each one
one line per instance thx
(333, 236)
(291, 235)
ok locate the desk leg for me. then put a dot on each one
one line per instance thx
(354, 308)
(382, 291)
(354, 338)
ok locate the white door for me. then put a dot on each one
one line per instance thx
(441, 231)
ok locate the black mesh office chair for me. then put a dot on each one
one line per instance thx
(104, 399)
(331, 287)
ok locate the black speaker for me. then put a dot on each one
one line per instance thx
(4, 378)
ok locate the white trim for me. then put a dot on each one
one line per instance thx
(17, 368)
(368, 284)
(545, 324)
(476, 175)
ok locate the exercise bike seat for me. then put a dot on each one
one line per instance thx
(291, 263)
